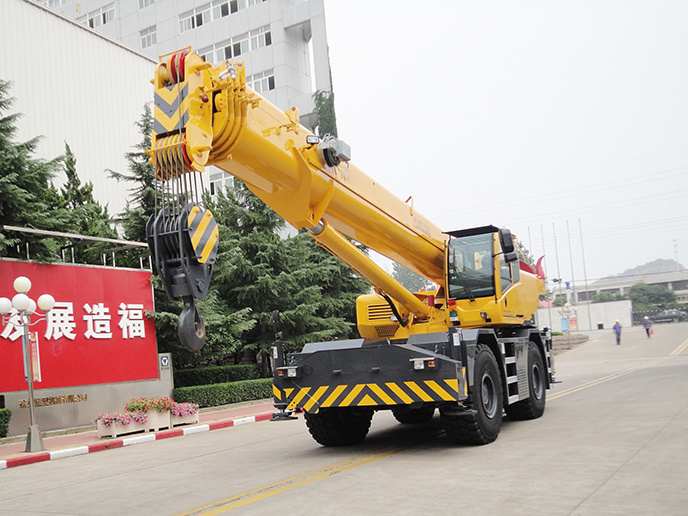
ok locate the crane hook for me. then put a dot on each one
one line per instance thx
(191, 327)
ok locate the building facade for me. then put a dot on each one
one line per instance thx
(81, 68)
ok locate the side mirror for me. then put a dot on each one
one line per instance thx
(506, 240)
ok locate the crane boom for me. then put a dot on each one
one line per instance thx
(231, 127)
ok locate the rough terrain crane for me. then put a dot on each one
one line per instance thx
(467, 348)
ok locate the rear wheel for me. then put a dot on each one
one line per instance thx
(534, 406)
(406, 415)
(339, 426)
(484, 424)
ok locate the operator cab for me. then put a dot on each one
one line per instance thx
(482, 265)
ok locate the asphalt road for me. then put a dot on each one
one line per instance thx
(613, 440)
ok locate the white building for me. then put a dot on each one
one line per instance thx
(81, 68)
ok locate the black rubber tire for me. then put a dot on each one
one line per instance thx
(339, 426)
(407, 415)
(483, 427)
(534, 406)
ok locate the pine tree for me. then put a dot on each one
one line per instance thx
(26, 191)
(88, 216)
(258, 269)
(142, 177)
(409, 279)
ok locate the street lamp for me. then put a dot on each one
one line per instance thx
(26, 307)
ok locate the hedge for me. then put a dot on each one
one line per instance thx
(216, 374)
(5, 416)
(224, 393)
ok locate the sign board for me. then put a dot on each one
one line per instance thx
(98, 331)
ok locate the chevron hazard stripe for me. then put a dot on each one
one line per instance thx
(171, 114)
(203, 233)
(311, 399)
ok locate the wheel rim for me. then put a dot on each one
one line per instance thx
(538, 385)
(489, 395)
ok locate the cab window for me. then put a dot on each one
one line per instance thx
(470, 268)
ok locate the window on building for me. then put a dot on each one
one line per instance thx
(148, 37)
(263, 81)
(222, 8)
(145, 3)
(220, 181)
(192, 19)
(231, 48)
(261, 37)
(54, 3)
(206, 54)
(101, 16)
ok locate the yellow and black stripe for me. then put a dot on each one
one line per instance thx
(311, 399)
(203, 233)
(171, 112)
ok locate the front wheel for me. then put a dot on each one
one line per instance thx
(534, 406)
(484, 424)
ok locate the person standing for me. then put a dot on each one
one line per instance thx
(617, 332)
(647, 324)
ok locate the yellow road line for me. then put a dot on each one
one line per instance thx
(679, 349)
(604, 379)
(261, 493)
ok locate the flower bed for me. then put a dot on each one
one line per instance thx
(184, 414)
(127, 422)
(146, 414)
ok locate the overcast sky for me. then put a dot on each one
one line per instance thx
(543, 117)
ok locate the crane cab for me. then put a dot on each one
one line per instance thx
(484, 281)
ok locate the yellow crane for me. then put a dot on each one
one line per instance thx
(467, 347)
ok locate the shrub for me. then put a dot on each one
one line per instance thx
(215, 374)
(224, 393)
(5, 416)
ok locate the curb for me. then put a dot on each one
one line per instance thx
(129, 441)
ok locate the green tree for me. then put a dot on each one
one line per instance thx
(324, 108)
(141, 176)
(258, 269)
(606, 297)
(26, 198)
(88, 217)
(410, 280)
(650, 297)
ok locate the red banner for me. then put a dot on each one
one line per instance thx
(97, 332)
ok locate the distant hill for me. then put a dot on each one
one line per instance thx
(654, 267)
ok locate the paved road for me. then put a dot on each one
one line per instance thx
(614, 440)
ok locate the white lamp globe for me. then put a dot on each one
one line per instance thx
(22, 284)
(21, 302)
(5, 306)
(46, 302)
(32, 307)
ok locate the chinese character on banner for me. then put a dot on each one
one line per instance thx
(60, 322)
(131, 321)
(97, 321)
(13, 330)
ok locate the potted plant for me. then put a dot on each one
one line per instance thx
(157, 408)
(112, 425)
(184, 414)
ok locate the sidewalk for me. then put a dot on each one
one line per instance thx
(79, 441)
